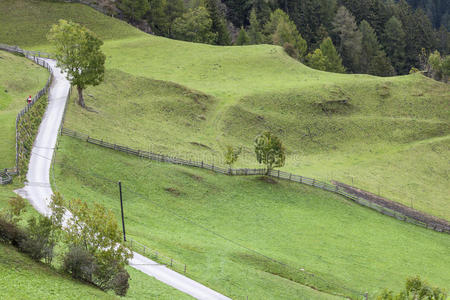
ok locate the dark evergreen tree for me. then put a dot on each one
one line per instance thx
(333, 62)
(312, 17)
(242, 38)
(375, 12)
(394, 37)
(418, 34)
(219, 26)
(380, 65)
(349, 39)
(254, 30)
(238, 11)
(133, 10)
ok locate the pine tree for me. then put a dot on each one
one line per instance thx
(333, 62)
(380, 65)
(219, 26)
(349, 38)
(370, 45)
(254, 30)
(134, 9)
(316, 60)
(395, 44)
(242, 38)
(280, 30)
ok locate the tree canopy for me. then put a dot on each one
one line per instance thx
(269, 151)
(78, 53)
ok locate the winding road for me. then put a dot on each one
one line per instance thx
(38, 189)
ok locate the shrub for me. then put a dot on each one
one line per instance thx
(11, 233)
(120, 283)
(42, 234)
(37, 249)
(79, 263)
(290, 50)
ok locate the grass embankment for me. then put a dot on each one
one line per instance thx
(23, 278)
(19, 78)
(345, 244)
(391, 136)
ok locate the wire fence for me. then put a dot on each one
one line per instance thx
(155, 255)
(272, 265)
(272, 173)
(35, 56)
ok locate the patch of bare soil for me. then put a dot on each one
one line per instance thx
(268, 179)
(173, 191)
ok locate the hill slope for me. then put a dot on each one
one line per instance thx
(386, 135)
(185, 212)
(19, 78)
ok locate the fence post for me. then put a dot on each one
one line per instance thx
(185, 268)
(278, 174)
(290, 176)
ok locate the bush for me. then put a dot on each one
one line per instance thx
(35, 248)
(11, 233)
(79, 263)
(290, 50)
(120, 283)
(111, 276)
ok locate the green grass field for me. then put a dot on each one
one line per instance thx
(345, 244)
(390, 137)
(19, 78)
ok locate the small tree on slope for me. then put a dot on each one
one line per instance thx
(269, 151)
(78, 53)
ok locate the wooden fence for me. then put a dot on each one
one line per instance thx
(36, 57)
(273, 173)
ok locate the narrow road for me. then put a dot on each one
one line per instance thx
(38, 190)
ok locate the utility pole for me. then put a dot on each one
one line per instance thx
(121, 209)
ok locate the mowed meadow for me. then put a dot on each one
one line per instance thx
(389, 136)
(229, 231)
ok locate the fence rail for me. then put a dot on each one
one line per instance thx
(273, 173)
(155, 255)
(35, 56)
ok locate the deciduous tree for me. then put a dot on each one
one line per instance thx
(269, 151)
(78, 53)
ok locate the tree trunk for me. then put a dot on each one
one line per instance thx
(80, 97)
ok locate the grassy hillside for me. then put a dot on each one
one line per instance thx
(19, 78)
(390, 135)
(345, 244)
(22, 278)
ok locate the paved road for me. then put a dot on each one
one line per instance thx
(38, 190)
